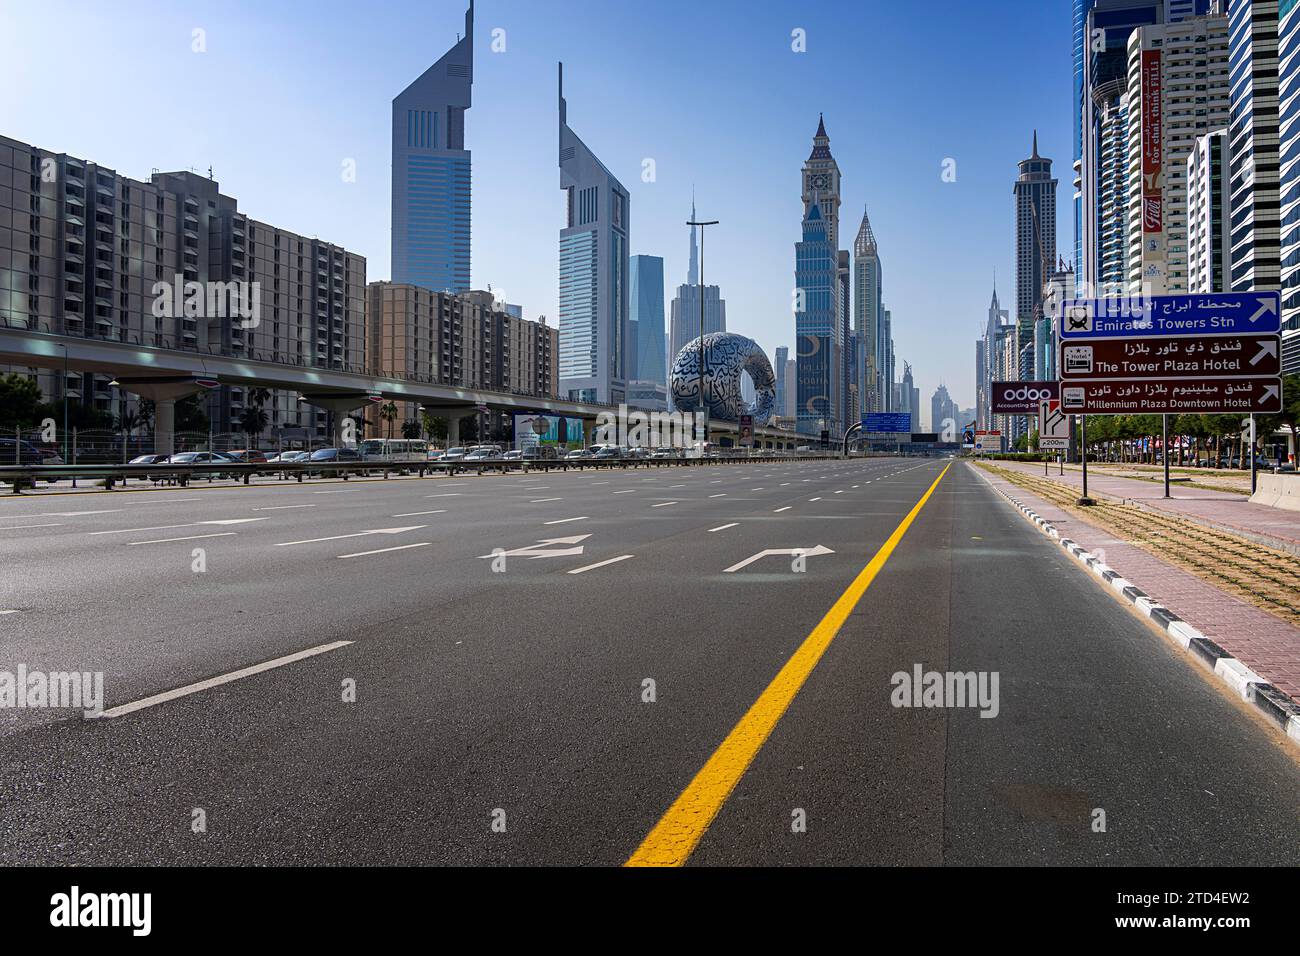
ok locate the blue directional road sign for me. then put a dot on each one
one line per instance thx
(888, 422)
(1224, 313)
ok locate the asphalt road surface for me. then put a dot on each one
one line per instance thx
(588, 668)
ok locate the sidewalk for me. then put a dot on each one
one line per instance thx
(1226, 512)
(1268, 646)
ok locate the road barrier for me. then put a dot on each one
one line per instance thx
(1277, 491)
(19, 476)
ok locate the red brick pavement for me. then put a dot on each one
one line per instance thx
(1232, 512)
(1267, 645)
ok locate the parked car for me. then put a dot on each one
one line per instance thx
(578, 453)
(638, 452)
(455, 454)
(287, 457)
(202, 458)
(515, 454)
(147, 460)
(483, 453)
(608, 452)
(665, 452)
(338, 455)
(27, 453)
(435, 454)
(249, 455)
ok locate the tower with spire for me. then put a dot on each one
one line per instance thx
(821, 183)
(684, 314)
(868, 319)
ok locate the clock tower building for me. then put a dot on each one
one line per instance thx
(821, 183)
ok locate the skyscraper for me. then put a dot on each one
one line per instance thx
(782, 357)
(868, 306)
(821, 183)
(1172, 67)
(1288, 47)
(1208, 201)
(1035, 193)
(817, 328)
(1253, 145)
(594, 286)
(431, 172)
(647, 318)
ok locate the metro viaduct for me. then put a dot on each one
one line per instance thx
(165, 375)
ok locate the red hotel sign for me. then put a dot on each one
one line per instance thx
(1153, 219)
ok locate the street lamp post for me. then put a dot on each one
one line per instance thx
(64, 392)
(703, 406)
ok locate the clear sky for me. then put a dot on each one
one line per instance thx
(711, 90)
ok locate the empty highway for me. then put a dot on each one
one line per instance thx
(675, 666)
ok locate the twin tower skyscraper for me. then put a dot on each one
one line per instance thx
(431, 222)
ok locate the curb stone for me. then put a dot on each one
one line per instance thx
(1273, 704)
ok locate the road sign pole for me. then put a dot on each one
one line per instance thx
(1252, 453)
(1164, 448)
(1083, 456)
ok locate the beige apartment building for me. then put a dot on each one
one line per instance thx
(467, 340)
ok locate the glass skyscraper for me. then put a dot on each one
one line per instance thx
(594, 282)
(431, 173)
(818, 328)
(647, 298)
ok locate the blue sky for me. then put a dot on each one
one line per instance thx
(710, 90)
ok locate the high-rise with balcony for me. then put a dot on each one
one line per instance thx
(1253, 145)
(88, 249)
(1208, 262)
(431, 172)
(1288, 68)
(1035, 196)
(594, 286)
(1177, 92)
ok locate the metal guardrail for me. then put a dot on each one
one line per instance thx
(27, 475)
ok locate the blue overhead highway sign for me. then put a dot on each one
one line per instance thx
(1230, 313)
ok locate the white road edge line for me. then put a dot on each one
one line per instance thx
(218, 681)
(400, 547)
(601, 564)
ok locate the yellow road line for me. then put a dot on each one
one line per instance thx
(681, 828)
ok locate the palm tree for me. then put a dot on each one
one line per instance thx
(388, 412)
(252, 421)
(410, 428)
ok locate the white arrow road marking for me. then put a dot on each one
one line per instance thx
(358, 534)
(402, 547)
(185, 691)
(1265, 349)
(601, 564)
(790, 551)
(539, 550)
(190, 537)
(723, 527)
(189, 524)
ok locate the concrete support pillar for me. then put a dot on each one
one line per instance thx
(164, 426)
(453, 430)
(164, 392)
